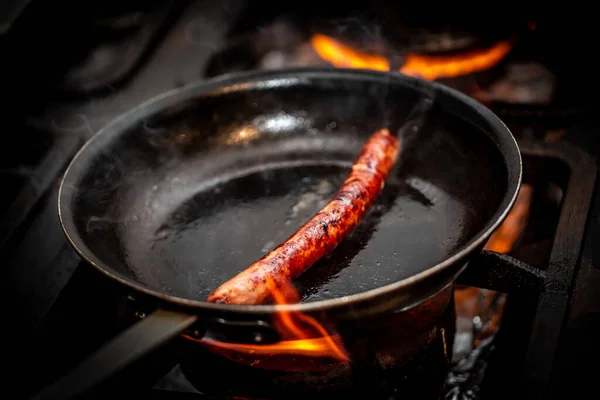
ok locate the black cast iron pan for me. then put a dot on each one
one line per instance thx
(183, 192)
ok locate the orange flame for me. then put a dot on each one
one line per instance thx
(472, 301)
(342, 56)
(431, 68)
(301, 334)
(434, 67)
(426, 67)
(505, 237)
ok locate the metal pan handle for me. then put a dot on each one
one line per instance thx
(488, 270)
(136, 341)
(502, 273)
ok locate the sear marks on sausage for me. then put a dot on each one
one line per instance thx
(322, 233)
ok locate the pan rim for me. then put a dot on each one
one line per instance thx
(281, 77)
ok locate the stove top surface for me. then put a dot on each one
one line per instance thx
(60, 310)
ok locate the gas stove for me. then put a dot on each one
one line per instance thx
(93, 64)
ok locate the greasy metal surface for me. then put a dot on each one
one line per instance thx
(156, 171)
(547, 292)
(552, 306)
(578, 347)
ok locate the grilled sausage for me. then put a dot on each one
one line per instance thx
(322, 233)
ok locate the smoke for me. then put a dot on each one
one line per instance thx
(73, 123)
(417, 117)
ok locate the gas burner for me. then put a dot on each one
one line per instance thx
(534, 233)
(543, 342)
(504, 74)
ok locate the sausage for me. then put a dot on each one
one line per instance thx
(322, 233)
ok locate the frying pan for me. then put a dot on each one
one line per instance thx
(181, 193)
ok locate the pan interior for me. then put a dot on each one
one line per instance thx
(186, 198)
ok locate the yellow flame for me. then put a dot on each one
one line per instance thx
(302, 335)
(426, 67)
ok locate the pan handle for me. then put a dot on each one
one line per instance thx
(502, 273)
(488, 270)
(136, 341)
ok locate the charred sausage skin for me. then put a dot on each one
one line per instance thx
(322, 233)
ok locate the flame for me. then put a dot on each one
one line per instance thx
(434, 67)
(471, 302)
(304, 336)
(301, 334)
(426, 67)
(342, 56)
(505, 237)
